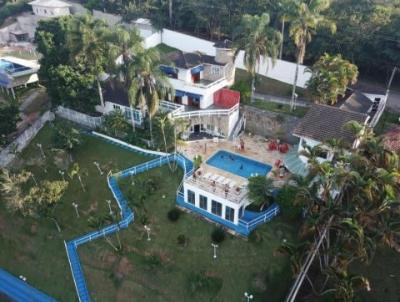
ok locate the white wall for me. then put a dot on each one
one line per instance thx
(152, 40)
(282, 71)
(43, 11)
(211, 197)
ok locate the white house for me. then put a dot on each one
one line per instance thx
(15, 72)
(200, 93)
(50, 8)
(321, 124)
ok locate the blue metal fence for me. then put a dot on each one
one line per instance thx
(127, 214)
(18, 290)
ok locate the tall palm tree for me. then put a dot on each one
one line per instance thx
(125, 45)
(305, 19)
(148, 84)
(259, 42)
(87, 40)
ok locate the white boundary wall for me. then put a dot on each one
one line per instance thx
(8, 153)
(283, 71)
(79, 118)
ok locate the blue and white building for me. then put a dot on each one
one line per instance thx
(15, 72)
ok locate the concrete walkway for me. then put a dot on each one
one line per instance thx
(280, 100)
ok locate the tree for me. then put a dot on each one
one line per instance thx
(115, 121)
(125, 44)
(259, 42)
(42, 200)
(353, 199)
(260, 190)
(11, 189)
(148, 84)
(67, 138)
(306, 19)
(88, 44)
(9, 117)
(330, 77)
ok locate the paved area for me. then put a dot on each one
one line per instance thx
(255, 148)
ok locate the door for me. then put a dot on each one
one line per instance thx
(196, 128)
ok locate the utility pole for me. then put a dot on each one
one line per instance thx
(390, 81)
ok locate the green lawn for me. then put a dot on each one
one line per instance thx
(34, 248)
(278, 108)
(270, 86)
(164, 48)
(159, 270)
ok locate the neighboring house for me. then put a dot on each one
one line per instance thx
(15, 72)
(50, 8)
(23, 30)
(321, 124)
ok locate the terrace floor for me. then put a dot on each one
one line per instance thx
(255, 148)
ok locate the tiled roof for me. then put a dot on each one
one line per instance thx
(391, 139)
(322, 123)
(188, 60)
(357, 102)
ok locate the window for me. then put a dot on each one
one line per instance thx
(229, 213)
(116, 107)
(203, 202)
(191, 197)
(216, 208)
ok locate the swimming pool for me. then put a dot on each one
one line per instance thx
(237, 164)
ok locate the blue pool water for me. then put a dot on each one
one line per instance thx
(10, 67)
(237, 164)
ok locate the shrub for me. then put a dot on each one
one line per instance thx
(255, 237)
(218, 235)
(174, 214)
(204, 282)
(182, 239)
(285, 198)
(244, 87)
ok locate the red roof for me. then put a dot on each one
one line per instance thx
(226, 98)
(391, 139)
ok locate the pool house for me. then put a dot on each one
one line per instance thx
(218, 192)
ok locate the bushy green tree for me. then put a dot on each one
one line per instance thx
(260, 189)
(9, 117)
(115, 123)
(330, 77)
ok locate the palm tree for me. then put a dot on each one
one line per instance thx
(305, 20)
(87, 40)
(259, 42)
(125, 45)
(148, 84)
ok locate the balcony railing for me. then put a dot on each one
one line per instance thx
(205, 112)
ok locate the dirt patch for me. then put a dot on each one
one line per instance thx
(61, 159)
(123, 269)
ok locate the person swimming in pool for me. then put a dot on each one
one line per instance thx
(241, 167)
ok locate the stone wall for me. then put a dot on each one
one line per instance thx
(270, 124)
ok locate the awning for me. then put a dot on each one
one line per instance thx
(197, 69)
(179, 93)
(294, 164)
(193, 95)
(168, 69)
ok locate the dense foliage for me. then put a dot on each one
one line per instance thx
(9, 117)
(330, 77)
(12, 8)
(353, 203)
(368, 31)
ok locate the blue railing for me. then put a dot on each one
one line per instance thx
(18, 290)
(261, 218)
(127, 214)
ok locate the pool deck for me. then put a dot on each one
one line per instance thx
(255, 148)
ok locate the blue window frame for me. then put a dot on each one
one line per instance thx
(216, 208)
(203, 202)
(137, 115)
(191, 197)
(229, 213)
